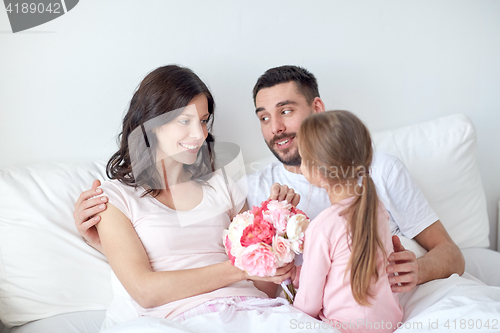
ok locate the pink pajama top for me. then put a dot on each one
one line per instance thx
(323, 290)
(177, 240)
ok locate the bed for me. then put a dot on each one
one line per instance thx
(51, 281)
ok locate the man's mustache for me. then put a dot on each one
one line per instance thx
(281, 137)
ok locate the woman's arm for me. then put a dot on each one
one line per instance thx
(129, 261)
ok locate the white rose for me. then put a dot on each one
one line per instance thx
(295, 229)
(297, 246)
(296, 226)
(240, 222)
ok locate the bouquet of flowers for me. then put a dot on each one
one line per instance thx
(265, 238)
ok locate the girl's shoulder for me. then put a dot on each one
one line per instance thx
(329, 219)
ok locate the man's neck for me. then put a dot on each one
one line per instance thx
(293, 168)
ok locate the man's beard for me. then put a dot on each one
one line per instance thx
(293, 160)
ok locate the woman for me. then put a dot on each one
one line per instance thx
(162, 230)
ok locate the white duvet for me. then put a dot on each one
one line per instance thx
(455, 304)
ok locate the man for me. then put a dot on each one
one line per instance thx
(284, 96)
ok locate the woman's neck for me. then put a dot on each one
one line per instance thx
(172, 172)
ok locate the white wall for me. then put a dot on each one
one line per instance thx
(65, 85)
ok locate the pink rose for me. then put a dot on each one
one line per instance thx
(259, 231)
(257, 210)
(278, 218)
(258, 259)
(281, 247)
(228, 245)
(275, 204)
(295, 210)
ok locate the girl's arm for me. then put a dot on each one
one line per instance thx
(315, 267)
(129, 261)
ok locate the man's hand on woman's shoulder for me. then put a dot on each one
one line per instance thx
(86, 207)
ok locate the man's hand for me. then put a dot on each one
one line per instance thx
(282, 192)
(402, 268)
(85, 209)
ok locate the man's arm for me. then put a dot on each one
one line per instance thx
(85, 216)
(442, 259)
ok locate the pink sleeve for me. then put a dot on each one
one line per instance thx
(315, 268)
(116, 197)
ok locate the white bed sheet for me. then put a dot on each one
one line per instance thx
(455, 304)
(73, 322)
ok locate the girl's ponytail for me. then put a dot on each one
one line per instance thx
(338, 145)
(362, 227)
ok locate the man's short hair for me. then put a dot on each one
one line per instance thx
(305, 81)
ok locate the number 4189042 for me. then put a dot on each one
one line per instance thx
(471, 324)
(34, 8)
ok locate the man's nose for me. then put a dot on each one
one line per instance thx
(277, 126)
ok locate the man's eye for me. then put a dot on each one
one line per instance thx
(205, 121)
(264, 119)
(286, 111)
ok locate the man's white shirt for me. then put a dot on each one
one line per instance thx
(409, 210)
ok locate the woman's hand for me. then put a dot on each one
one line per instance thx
(283, 192)
(281, 275)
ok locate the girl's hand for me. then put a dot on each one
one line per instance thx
(281, 275)
(283, 192)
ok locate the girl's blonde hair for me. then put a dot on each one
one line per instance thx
(338, 145)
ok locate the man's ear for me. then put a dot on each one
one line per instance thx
(318, 105)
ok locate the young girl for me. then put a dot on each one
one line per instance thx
(342, 279)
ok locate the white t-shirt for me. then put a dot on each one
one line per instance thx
(409, 211)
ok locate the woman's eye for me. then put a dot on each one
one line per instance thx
(205, 121)
(184, 122)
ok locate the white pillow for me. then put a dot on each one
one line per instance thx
(46, 268)
(441, 157)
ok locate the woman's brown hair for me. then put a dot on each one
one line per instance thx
(159, 99)
(338, 145)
